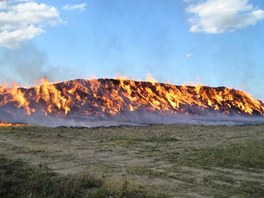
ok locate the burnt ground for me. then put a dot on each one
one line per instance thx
(165, 160)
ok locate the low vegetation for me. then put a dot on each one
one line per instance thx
(159, 161)
(19, 179)
(244, 155)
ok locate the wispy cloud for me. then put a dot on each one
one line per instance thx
(219, 16)
(189, 55)
(23, 20)
(80, 7)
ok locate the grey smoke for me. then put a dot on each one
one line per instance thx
(144, 118)
(25, 65)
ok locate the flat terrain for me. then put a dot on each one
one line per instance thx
(154, 161)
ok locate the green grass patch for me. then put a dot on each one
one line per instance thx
(19, 179)
(125, 140)
(246, 155)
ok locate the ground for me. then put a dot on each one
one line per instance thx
(150, 161)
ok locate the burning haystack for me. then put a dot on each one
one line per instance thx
(117, 98)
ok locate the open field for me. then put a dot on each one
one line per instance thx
(154, 161)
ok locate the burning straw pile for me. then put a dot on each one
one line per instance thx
(109, 98)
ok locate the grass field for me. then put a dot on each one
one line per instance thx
(155, 161)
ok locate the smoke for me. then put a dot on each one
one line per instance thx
(144, 118)
(25, 65)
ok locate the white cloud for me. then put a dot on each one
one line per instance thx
(189, 55)
(219, 16)
(23, 20)
(81, 7)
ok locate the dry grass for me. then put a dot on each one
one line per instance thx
(19, 179)
(155, 161)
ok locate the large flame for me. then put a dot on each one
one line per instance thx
(105, 97)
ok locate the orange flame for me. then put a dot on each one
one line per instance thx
(8, 124)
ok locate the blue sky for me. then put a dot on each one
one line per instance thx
(216, 42)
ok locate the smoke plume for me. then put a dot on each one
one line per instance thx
(25, 65)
